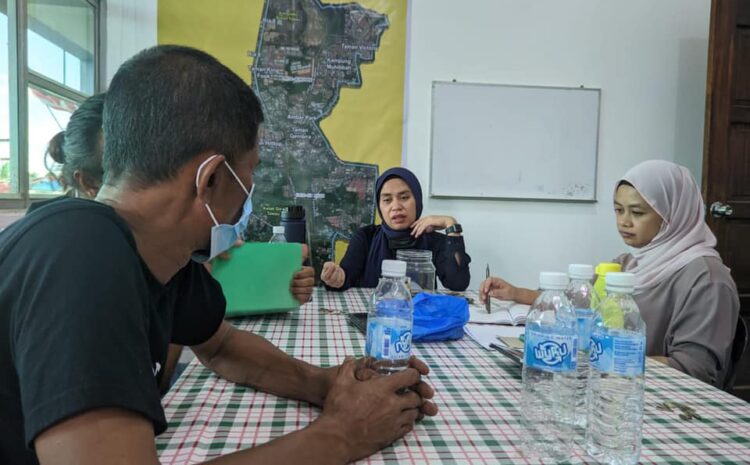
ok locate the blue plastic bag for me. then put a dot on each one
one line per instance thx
(439, 317)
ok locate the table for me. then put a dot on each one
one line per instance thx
(478, 392)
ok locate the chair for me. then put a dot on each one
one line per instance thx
(738, 348)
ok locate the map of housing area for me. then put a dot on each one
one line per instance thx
(306, 53)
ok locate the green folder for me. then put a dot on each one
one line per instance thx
(257, 276)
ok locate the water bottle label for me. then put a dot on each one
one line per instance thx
(618, 355)
(550, 352)
(585, 317)
(385, 342)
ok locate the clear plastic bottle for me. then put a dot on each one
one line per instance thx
(278, 235)
(389, 322)
(618, 343)
(584, 300)
(549, 372)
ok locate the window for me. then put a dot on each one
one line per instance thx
(49, 64)
(61, 45)
(8, 173)
(48, 114)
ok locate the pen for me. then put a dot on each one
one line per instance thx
(515, 355)
(487, 304)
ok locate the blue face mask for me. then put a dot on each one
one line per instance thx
(223, 236)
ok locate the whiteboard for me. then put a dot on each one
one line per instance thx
(514, 142)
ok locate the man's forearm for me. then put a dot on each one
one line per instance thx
(318, 444)
(248, 359)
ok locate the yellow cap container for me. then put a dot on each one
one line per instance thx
(601, 271)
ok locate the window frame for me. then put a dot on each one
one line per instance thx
(20, 77)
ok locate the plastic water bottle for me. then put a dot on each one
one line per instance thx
(584, 300)
(549, 372)
(389, 321)
(278, 235)
(618, 343)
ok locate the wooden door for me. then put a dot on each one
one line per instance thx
(726, 158)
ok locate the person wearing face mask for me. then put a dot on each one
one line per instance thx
(82, 351)
(78, 149)
(685, 294)
(399, 196)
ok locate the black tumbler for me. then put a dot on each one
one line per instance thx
(293, 221)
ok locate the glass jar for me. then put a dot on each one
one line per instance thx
(419, 269)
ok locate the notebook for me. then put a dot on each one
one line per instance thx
(487, 335)
(503, 313)
(257, 277)
(504, 339)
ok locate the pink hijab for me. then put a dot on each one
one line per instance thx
(684, 236)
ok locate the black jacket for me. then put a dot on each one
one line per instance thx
(448, 255)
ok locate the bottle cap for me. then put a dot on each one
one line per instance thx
(578, 271)
(620, 282)
(603, 268)
(550, 280)
(278, 230)
(393, 268)
(293, 212)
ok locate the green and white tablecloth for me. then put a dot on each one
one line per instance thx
(478, 392)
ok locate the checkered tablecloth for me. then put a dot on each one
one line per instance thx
(478, 392)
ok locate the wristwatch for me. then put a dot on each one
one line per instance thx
(455, 229)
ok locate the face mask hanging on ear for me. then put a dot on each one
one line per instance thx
(223, 236)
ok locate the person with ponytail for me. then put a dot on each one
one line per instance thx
(79, 150)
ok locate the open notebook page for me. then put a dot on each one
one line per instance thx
(503, 313)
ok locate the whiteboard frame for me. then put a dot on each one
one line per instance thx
(593, 199)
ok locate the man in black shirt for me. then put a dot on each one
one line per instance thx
(92, 292)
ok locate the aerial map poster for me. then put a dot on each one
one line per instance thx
(330, 76)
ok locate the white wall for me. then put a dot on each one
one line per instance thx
(649, 58)
(130, 27)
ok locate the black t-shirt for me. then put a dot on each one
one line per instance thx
(83, 322)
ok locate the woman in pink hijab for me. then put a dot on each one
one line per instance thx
(686, 295)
